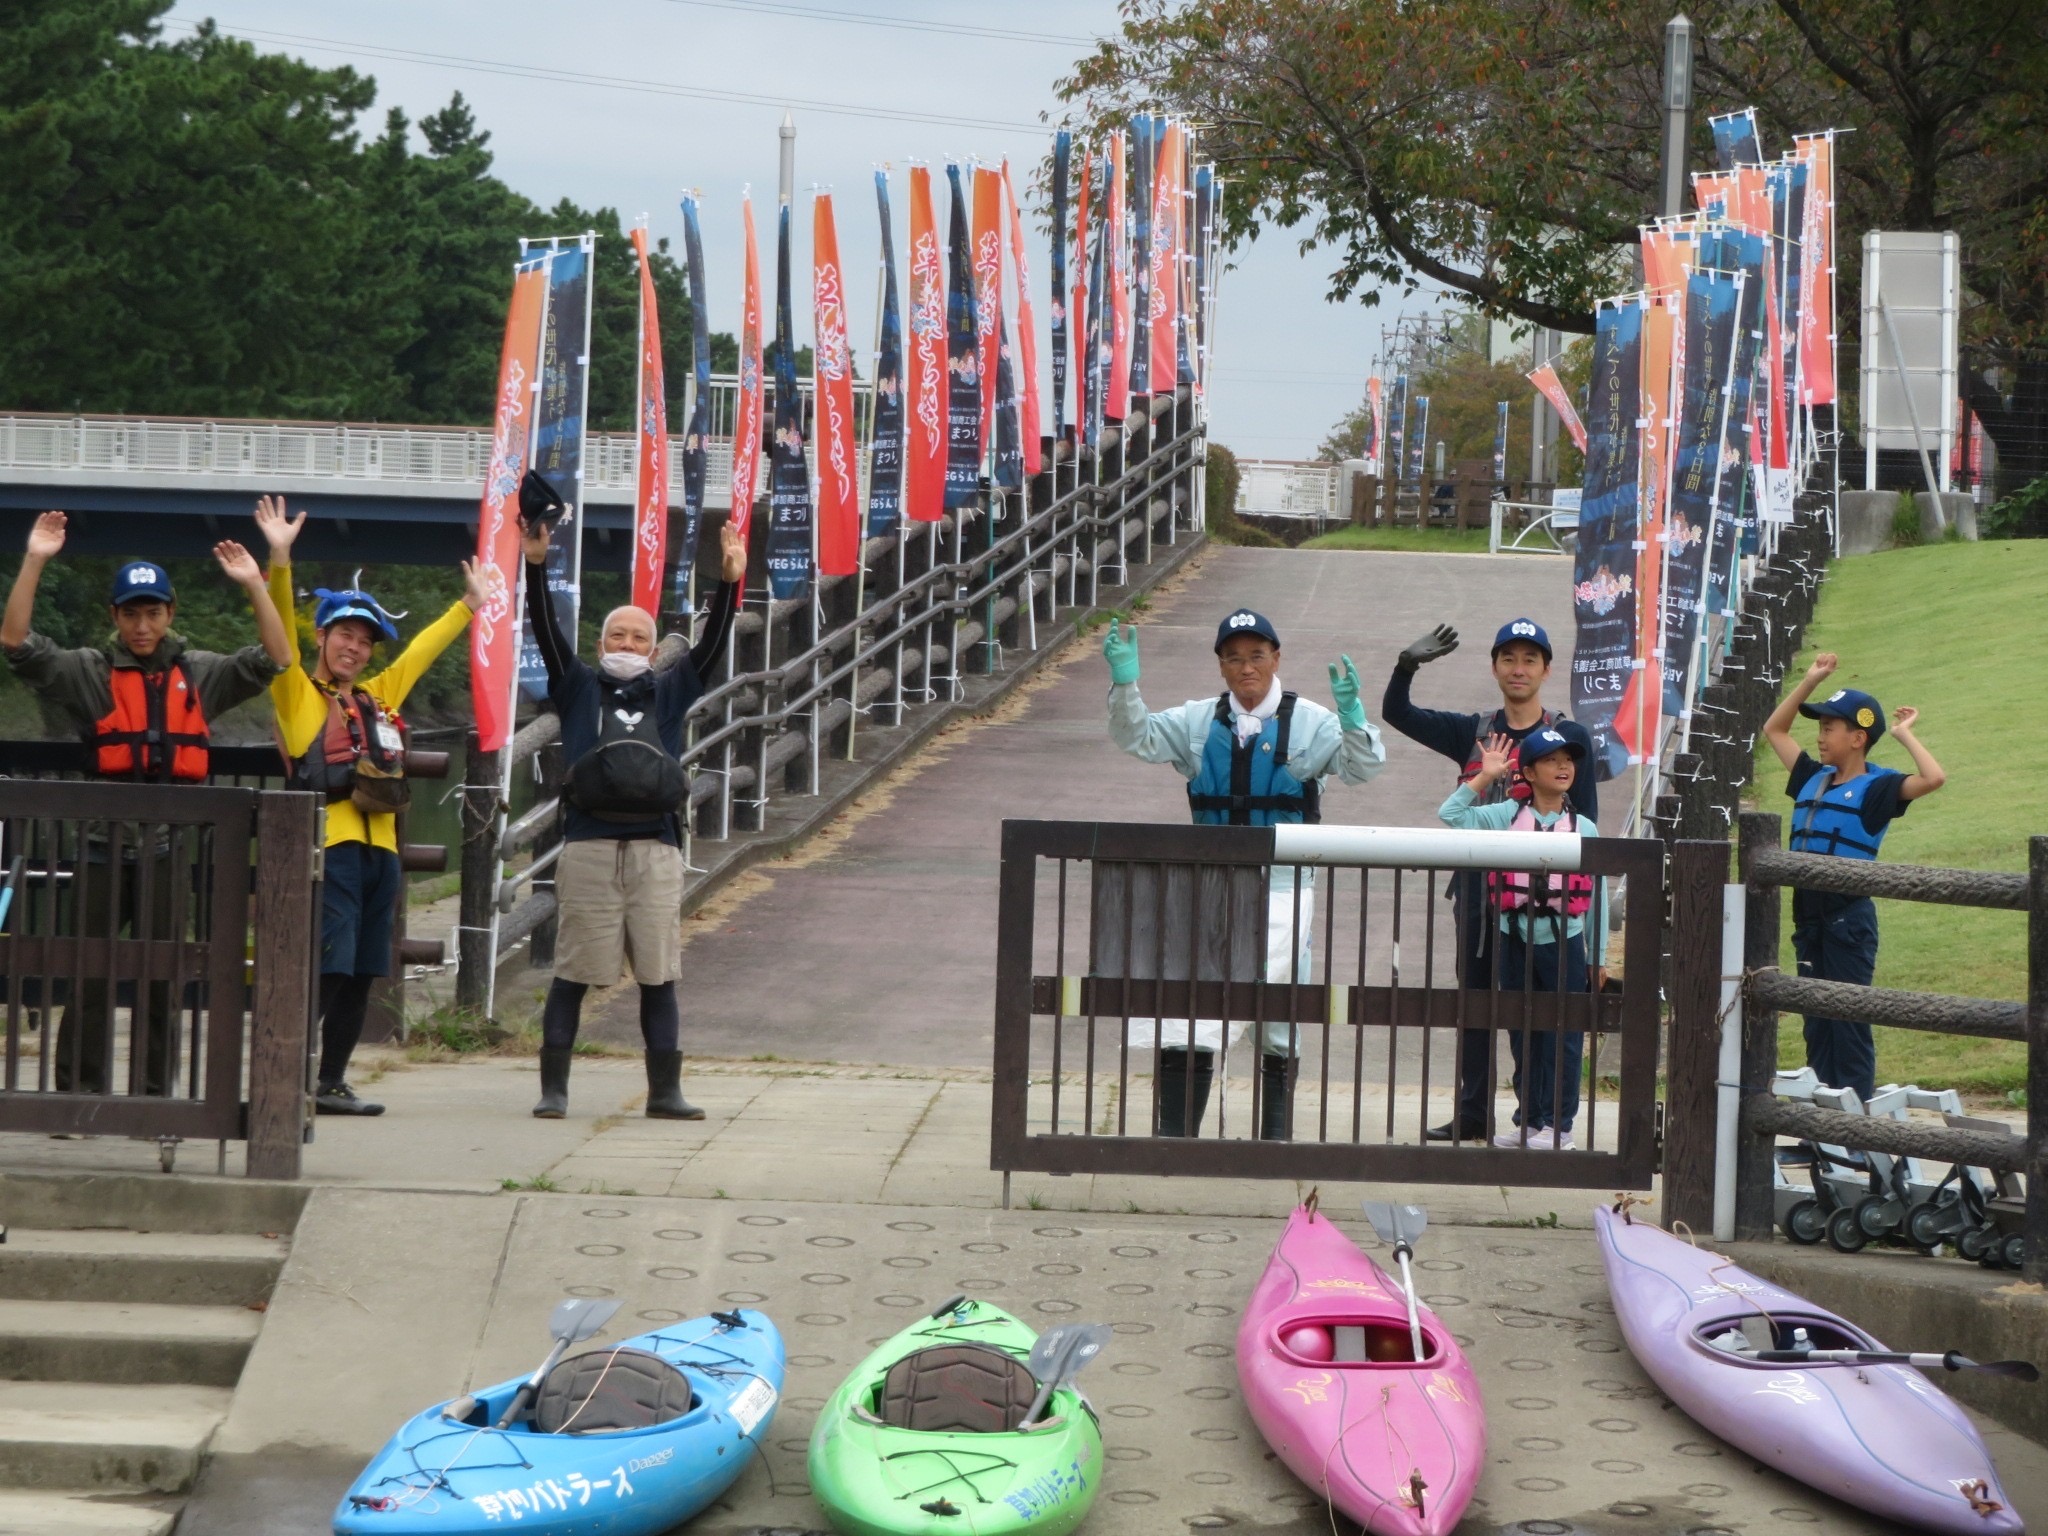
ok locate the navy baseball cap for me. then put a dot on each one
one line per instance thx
(138, 579)
(1523, 629)
(1852, 705)
(1245, 622)
(1546, 739)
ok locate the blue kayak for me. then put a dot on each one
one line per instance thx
(629, 1439)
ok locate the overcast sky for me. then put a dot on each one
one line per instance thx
(617, 103)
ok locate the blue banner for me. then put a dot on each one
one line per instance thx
(697, 431)
(1604, 563)
(885, 450)
(1397, 426)
(558, 441)
(1735, 139)
(1710, 321)
(1147, 134)
(789, 478)
(1205, 211)
(1418, 443)
(1062, 159)
(1735, 530)
(963, 375)
(1500, 443)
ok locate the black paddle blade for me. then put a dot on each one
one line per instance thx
(2019, 1370)
(539, 502)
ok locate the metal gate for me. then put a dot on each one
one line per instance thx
(1325, 964)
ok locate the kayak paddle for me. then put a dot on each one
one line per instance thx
(1951, 1361)
(575, 1319)
(1401, 1225)
(1057, 1358)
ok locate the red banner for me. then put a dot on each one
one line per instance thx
(987, 254)
(1636, 721)
(1552, 387)
(1077, 312)
(924, 478)
(1817, 271)
(1027, 333)
(746, 427)
(494, 633)
(1116, 389)
(1163, 323)
(838, 475)
(650, 512)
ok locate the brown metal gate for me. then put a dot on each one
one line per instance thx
(1115, 941)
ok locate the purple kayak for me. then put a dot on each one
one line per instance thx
(1881, 1437)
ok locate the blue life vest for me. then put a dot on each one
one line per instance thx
(1246, 784)
(1828, 817)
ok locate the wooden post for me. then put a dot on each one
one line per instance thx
(2035, 1267)
(281, 1001)
(1692, 1064)
(1757, 1151)
(474, 942)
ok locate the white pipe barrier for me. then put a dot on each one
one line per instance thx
(1427, 848)
(1728, 1103)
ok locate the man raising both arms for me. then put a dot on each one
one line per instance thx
(1521, 665)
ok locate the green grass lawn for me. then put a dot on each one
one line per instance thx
(1435, 541)
(1949, 628)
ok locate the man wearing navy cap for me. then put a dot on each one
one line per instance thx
(1521, 665)
(1843, 806)
(1254, 756)
(143, 703)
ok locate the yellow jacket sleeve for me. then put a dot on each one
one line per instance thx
(397, 680)
(301, 708)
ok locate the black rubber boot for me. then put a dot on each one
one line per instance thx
(1173, 1091)
(665, 1099)
(554, 1085)
(1276, 1097)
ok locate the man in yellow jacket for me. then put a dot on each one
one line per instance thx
(340, 735)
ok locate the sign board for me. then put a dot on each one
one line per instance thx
(1912, 285)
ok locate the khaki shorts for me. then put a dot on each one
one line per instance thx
(621, 905)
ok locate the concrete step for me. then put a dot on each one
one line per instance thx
(72, 1513)
(230, 1269)
(125, 1342)
(111, 1439)
(150, 1202)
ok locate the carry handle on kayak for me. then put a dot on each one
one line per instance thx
(1951, 1360)
(574, 1320)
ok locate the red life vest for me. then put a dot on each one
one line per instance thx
(328, 766)
(1513, 889)
(1510, 785)
(156, 730)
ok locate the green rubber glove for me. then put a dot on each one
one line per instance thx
(1344, 689)
(1120, 650)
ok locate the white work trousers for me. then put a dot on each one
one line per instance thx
(1287, 959)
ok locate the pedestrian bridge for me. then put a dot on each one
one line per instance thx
(175, 485)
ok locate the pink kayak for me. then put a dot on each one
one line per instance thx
(1331, 1379)
(1881, 1437)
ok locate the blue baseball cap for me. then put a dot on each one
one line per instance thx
(352, 604)
(1546, 739)
(1852, 705)
(137, 579)
(1527, 630)
(1245, 622)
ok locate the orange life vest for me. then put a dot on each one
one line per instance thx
(156, 729)
(328, 766)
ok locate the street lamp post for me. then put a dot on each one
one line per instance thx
(1677, 110)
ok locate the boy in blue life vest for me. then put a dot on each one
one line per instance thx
(1254, 756)
(1843, 806)
(1542, 938)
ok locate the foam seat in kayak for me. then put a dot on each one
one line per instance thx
(957, 1388)
(611, 1389)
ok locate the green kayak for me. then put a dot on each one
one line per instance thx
(923, 1439)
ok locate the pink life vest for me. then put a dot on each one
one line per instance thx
(1512, 889)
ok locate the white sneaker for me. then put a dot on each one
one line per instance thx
(1539, 1141)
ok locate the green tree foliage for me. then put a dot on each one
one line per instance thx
(197, 228)
(1508, 149)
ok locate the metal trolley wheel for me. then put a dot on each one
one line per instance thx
(1925, 1227)
(1845, 1232)
(1805, 1223)
(1877, 1215)
(1975, 1242)
(2015, 1251)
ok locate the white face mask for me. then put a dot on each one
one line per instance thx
(624, 666)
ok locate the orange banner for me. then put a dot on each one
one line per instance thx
(987, 255)
(924, 476)
(832, 379)
(746, 427)
(1552, 389)
(1027, 334)
(1163, 323)
(1817, 276)
(494, 632)
(650, 510)
(1116, 389)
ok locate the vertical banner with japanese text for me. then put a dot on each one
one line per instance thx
(963, 353)
(924, 477)
(1116, 246)
(697, 430)
(746, 426)
(1817, 260)
(1144, 150)
(1027, 331)
(1062, 161)
(788, 556)
(558, 432)
(1552, 389)
(1641, 710)
(838, 447)
(987, 237)
(1711, 312)
(1604, 560)
(650, 508)
(885, 445)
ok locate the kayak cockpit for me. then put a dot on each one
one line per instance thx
(954, 1389)
(1368, 1344)
(1737, 1339)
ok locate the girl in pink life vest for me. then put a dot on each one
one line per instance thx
(1543, 925)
